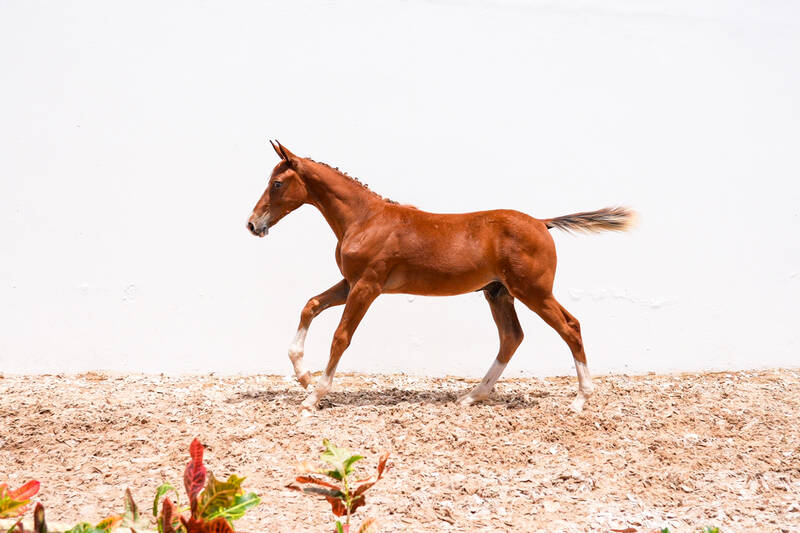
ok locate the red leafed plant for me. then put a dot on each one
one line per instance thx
(213, 504)
(14, 503)
(343, 494)
(194, 476)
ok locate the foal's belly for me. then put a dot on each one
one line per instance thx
(430, 282)
(442, 261)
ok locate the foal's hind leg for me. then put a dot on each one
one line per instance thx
(570, 330)
(502, 306)
(336, 295)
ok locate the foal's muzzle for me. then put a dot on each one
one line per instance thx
(259, 228)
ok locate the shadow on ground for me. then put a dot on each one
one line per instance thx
(386, 397)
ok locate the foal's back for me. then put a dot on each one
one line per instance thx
(446, 254)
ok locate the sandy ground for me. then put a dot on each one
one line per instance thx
(682, 451)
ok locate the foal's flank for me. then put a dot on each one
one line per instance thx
(384, 247)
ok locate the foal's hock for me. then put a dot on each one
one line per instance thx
(384, 247)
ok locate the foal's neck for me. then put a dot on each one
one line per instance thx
(341, 200)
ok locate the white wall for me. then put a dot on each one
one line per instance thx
(133, 147)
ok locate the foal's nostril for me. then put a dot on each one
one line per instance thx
(251, 227)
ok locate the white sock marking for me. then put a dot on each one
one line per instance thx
(487, 383)
(296, 352)
(585, 386)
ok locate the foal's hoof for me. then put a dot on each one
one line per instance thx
(577, 404)
(583, 394)
(309, 406)
(470, 398)
(305, 380)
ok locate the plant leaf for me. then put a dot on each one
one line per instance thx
(14, 503)
(334, 497)
(192, 525)
(356, 503)
(348, 463)
(318, 491)
(341, 459)
(218, 495)
(367, 526)
(335, 474)
(316, 481)
(194, 476)
(131, 510)
(165, 520)
(196, 525)
(160, 492)
(241, 504)
(26, 491)
(12, 509)
(218, 525)
(337, 506)
(39, 524)
(361, 489)
(109, 523)
(382, 464)
(131, 518)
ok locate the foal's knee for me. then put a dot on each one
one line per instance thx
(309, 311)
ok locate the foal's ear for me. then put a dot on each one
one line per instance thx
(277, 150)
(284, 153)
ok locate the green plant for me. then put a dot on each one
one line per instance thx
(14, 503)
(213, 507)
(39, 525)
(343, 494)
(130, 519)
(104, 526)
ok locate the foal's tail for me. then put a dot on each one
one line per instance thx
(606, 219)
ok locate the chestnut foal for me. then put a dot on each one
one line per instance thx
(384, 247)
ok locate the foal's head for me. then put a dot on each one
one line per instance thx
(285, 192)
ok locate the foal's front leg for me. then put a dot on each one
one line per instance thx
(336, 295)
(361, 296)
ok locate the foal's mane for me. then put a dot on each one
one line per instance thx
(353, 179)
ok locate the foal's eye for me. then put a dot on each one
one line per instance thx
(277, 184)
